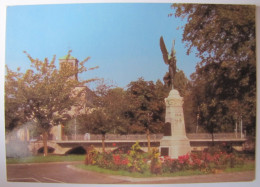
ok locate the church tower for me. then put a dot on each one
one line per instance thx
(69, 61)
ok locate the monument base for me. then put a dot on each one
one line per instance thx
(174, 142)
(174, 147)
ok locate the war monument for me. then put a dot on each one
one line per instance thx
(174, 142)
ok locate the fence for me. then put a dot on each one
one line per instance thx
(153, 137)
(216, 136)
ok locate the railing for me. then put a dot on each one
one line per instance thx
(215, 136)
(153, 137)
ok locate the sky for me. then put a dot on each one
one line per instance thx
(122, 39)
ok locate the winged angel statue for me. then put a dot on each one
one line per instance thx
(170, 60)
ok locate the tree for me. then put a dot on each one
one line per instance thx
(43, 93)
(225, 80)
(147, 107)
(13, 112)
(109, 112)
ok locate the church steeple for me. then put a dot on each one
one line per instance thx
(69, 61)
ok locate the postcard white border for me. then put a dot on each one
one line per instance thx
(5, 3)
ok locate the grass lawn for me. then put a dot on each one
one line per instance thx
(136, 174)
(250, 166)
(245, 167)
(42, 159)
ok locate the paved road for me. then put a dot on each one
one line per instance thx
(67, 173)
(54, 173)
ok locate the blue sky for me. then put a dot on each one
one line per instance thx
(122, 39)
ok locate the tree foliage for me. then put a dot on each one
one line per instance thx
(43, 93)
(224, 84)
(147, 105)
(108, 113)
(114, 105)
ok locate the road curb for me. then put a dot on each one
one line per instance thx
(160, 179)
(44, 163)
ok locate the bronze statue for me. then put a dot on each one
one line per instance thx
(169, 60)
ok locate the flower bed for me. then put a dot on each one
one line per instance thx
(211, 161)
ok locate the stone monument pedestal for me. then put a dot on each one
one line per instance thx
(174, 142)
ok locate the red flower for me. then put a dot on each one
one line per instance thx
(114, 144)
(183, 159)
(116, 159)
(197, 161)
(125, 161)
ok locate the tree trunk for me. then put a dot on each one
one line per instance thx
(212, 134)
(212, 137)
(103, 142)
(148, 140)
(45, 139)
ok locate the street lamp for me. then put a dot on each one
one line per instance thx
(75, 128)
(241, 127)
(197, 128)
(236, 123)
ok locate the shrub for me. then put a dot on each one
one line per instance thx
(156, 166)
(196, 162)
(137, 160)
(184, 162)
(170, 165)
(120, 161)
(134, 161)
(105, 160)
(91, 155)
(175, 165)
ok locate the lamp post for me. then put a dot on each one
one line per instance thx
(236, 124)
(149, 115)
(241, 127)
(197, 127)
(75, 128)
